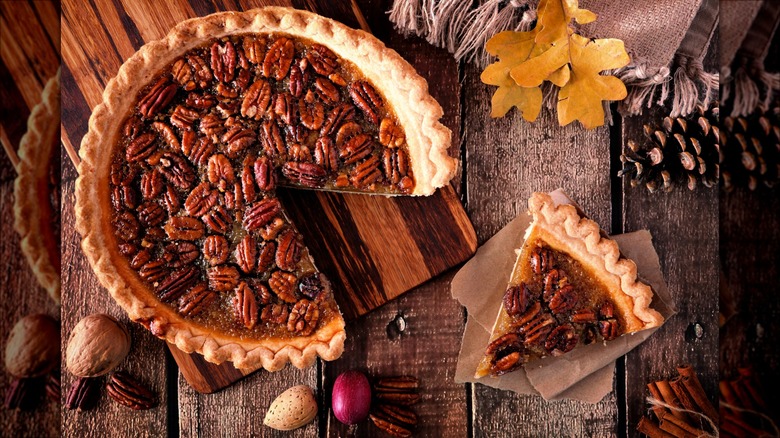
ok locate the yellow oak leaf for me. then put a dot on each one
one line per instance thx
(554, 17)
(580, 99)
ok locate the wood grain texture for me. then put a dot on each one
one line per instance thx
(507, 160)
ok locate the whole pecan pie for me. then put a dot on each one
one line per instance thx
(176, 199)
(570, 286)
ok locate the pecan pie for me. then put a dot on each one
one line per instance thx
(570, 286)
(37, 190)
(176, 198)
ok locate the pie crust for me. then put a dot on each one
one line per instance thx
(32, 191)
(400, 85)
(560, 228)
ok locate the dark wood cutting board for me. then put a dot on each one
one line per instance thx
(372, 248)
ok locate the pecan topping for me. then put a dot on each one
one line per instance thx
(303, 318)
(289, 251)
(561, 340)
(395, 164)
(367, 99)
(171, 200)
(182, 73)
(272, 230)
(283, 285)
(153, 271)
(83, 394)
(254, 47)
(201, 69)
(218, 220)
(311, 286)
(132, 128)
(265, 175)
(183, 117)
(126, 226)
(257, 100)
(212, 125)
(507, 352)
(356, 148)
(589, 335)
(322, 60)
(184, 228)
(127, 391)
(215, 250)
(151, 214)
(337, 79)
(198, 150)
(311, 111)
(551, 283)
(198, 299)
(343, 112)
(124, 197)
(608, 329)
(278, 58)
(366, 172)
(276, 313)
(166, 132)
(247, 180)
(563, 300)
(607, 311)
(347, 131)
(177, 283)
(223, 61)
(220, 172)
(153, 236)
(265, 260)
(541, 260)
(326, 91)
(307, 174)
(517, 299)
(223, 278)
(200, 101)
(178, 172)
(245, 305)
(297, 81)
(296, 134)
(325, 154)
(246, 254)
(128, 249)
(200, 200)
(152, 184)
(261, 213)
(284, 108)
(583, 316)
(141, 148)
(157, 98)
(262, 294)
(179, 254)
(390, 134)
(238, 138)
(271, 139)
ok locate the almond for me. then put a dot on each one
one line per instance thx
(292, 409)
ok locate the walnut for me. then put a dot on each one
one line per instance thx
(303, 318)
(33, 346)
(96, 346)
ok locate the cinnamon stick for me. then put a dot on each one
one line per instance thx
(659, 411)
(673, 429)
(693, 387)
(748, 430)
(682, 394)
(728, 395)
(746, 379)
(682, 425)
(647, 427)
(742, 395)
(668, 396)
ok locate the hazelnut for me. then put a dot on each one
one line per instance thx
(33, 346)
(96, 346)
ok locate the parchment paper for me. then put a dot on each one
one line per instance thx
(583, 374)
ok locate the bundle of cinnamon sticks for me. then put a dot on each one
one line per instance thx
(744, 413)
(681, 408)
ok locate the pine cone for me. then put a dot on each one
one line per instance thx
(751, 149)
(683, 151)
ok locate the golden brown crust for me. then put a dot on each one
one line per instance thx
(31, 186)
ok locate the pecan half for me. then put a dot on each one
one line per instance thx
(271, 139)
(179, 254)
(152, 184)
(153, 271)
(367, 99)
(246, 254)
(390, 134)
(346, 131)
(307, 174)
(283, 285)
(218, 219)
(325, 154)
(184, 228)
(508, 354)
(83, 394)
(396, 164)
(176, 169)
(167, 134)
(396, 414)
(311, 111)
(583, 316)
(589, 335)
(223, 278)
(198, 299)
(201, 69)
(238, 138)
(272, 230)
(397, 384)
(265, 260)
(537, 329)
(390, 428)
(212, 125)
(326, 91)
(223, 61)
(303, 318)
(261, 213)
(124, 197)
(265, 174)
(220, 172)
(276, 313)
(343, 112)
(216, 250)
(299, 153)
(248, 189)
(245, 305)
(608, 329)
(171, 200)
(297, 81)
(541, 260)
(322, 59)
(141, 148)
(366, 172)
(551, 283)
(198, 150)
(257, 100)
(201, 199)
(177, 283)
(182, 73)
(356, 148)
(278, 58)
(289, 251)
(607, 310)
(254, 47)
(127, 391)
(284, 108)
(143, 257)
(151, 214)
(126, 226)
(561, 340)
(564, 300)
(132, 127)
(517, 299)
(157, 98)
(183, 117)
(200, 101)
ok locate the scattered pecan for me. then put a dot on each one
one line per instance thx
(83, 394)
(220, 172)
(561, 340)
(215, 250)
(390, 134)
(276, 313)
(396, 414)
(297, 81)
(245, 305)
(537, 330)
(265, 260)
(218, 219)
(157, 98)
(541, 260)
(196, 300)
(171, 200)
(200, 101)
(151, 214)
(223, 278)
(396, 164)
(126, 226)
(141, 148)
(257, 100)
(346, 131)
(366, 172)
(517, 299)
(307, 174)
(223, 61)
(311, 111)
(322, 59)
(246, 254)
(201, 69)
(21, 394)
(184, 228)
(356, 148)
(254, 47)
(389, 427)
(265, 174)
(311, 286)
(177, 283)
(127, 391)
(153, 271)
(182, 73)
(325, 154)
(278, 58)
(238, 138)
(201, 199)
(153, 236)
(398, 397)
(234, 199)
(289, 251)
(152, 184)
(608, 329)
(367, 99)
(283, 285)
(179, 254)
(564, 300)
(178, 172)
(397, 384)
(326, 91)
(343, 112)
(261, 213)
(53, 390)
(183, 117)
(303, 318)
(271, 139)
(284, 108)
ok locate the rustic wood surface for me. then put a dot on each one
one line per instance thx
(29, 55)
(504, 161)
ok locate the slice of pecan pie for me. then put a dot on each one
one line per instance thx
(176, 199)
(569, 286)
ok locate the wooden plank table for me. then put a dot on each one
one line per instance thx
(504, 161)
